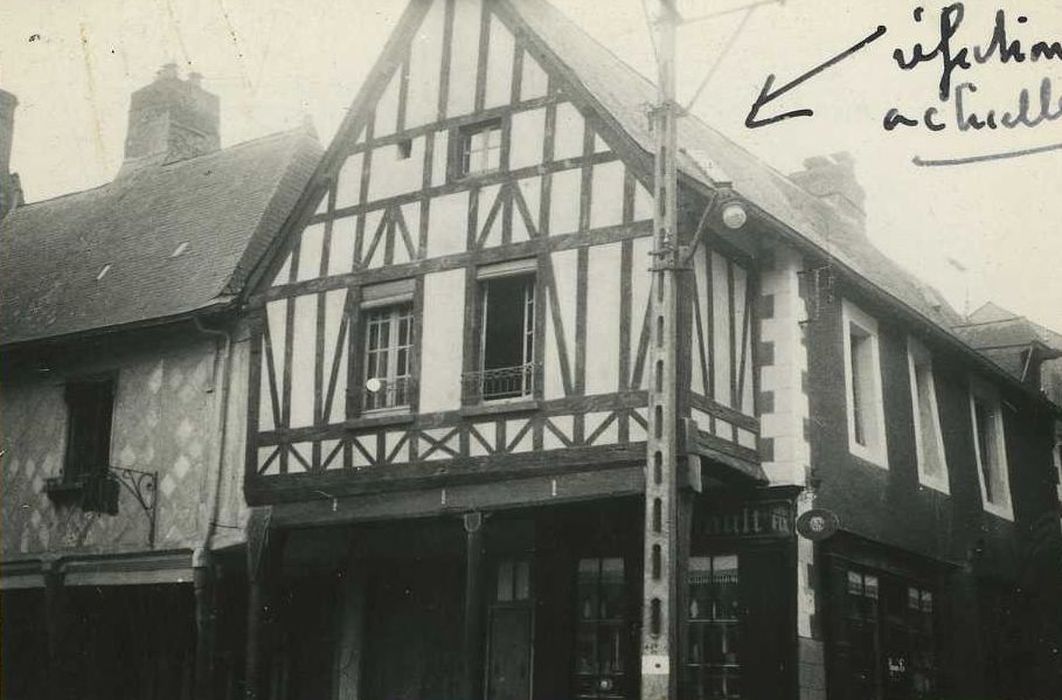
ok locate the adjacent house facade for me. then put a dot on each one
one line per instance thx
(448, 409)
(121, 349)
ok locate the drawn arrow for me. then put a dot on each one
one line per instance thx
(766, 95)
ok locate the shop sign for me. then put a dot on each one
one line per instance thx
(817, 524)
(763, 519)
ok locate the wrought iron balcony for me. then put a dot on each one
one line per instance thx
(501, 383)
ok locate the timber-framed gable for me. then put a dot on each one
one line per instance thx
(561, 196)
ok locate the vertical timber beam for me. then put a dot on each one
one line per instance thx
(473, 623)
(264, 550)
(205, 621)
(56, 616)
(659, 653)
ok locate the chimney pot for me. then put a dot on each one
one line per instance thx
(10, 189)
(171, 119)
(832, 179)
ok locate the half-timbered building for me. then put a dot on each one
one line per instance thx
(121, 353)
(447, 404)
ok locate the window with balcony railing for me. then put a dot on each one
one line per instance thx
(507, 340)
(388, 332)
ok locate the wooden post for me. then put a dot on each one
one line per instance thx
(473, 623)
(205, 622)
(55, 626)
(264, 551)
(659, 653)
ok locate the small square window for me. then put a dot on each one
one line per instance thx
(405, 149)
(479, 148)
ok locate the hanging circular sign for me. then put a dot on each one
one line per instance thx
(817, 524)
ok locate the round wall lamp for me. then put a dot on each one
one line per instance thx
(734, 215)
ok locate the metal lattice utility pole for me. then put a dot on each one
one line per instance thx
(659, 653)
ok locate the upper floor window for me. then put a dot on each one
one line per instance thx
(480, 148)
(862, 374)
(387, 356)
(987, 417)
(929, 445)
(90, 408)
(507, 332)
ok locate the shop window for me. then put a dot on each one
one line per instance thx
(929, 445)
(713, 664)
(987, 418)
(479, 148)
(90, 408)
(507, 335)
(866, 415)
(388, 347)
(513, 581)
(886, 645)
(601, 643)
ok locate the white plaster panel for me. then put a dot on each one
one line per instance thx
(422, 100)
(348, 184)
(606, 198)
(311, 246)
(464, 57)
(565, 269)
(387, 106)
(499, 65)
(603, 318)
(303, 357)
(564, 202)
(448, 224)
(534, 82)
(439, 152)
(528, 132)
(341, 249)
(721, 330)
(568, 132)
(393, 175)
(440, 377)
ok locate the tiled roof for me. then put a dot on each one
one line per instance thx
(159, 241)
(624, 93)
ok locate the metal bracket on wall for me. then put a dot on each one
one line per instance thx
(144, 488)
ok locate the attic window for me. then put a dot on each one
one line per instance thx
(103, 272)
(405, 149)
(179, 249)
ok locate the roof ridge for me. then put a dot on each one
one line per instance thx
(276, 135)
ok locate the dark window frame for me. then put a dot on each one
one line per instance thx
(530, 370)
(90, 412)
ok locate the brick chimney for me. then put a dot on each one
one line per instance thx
(832, 178)
(171, 119)
(10, 188)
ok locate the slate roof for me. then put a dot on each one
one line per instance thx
(625, 93)
(992, 326)
(226, 206)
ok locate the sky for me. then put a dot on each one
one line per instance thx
(275, 62)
